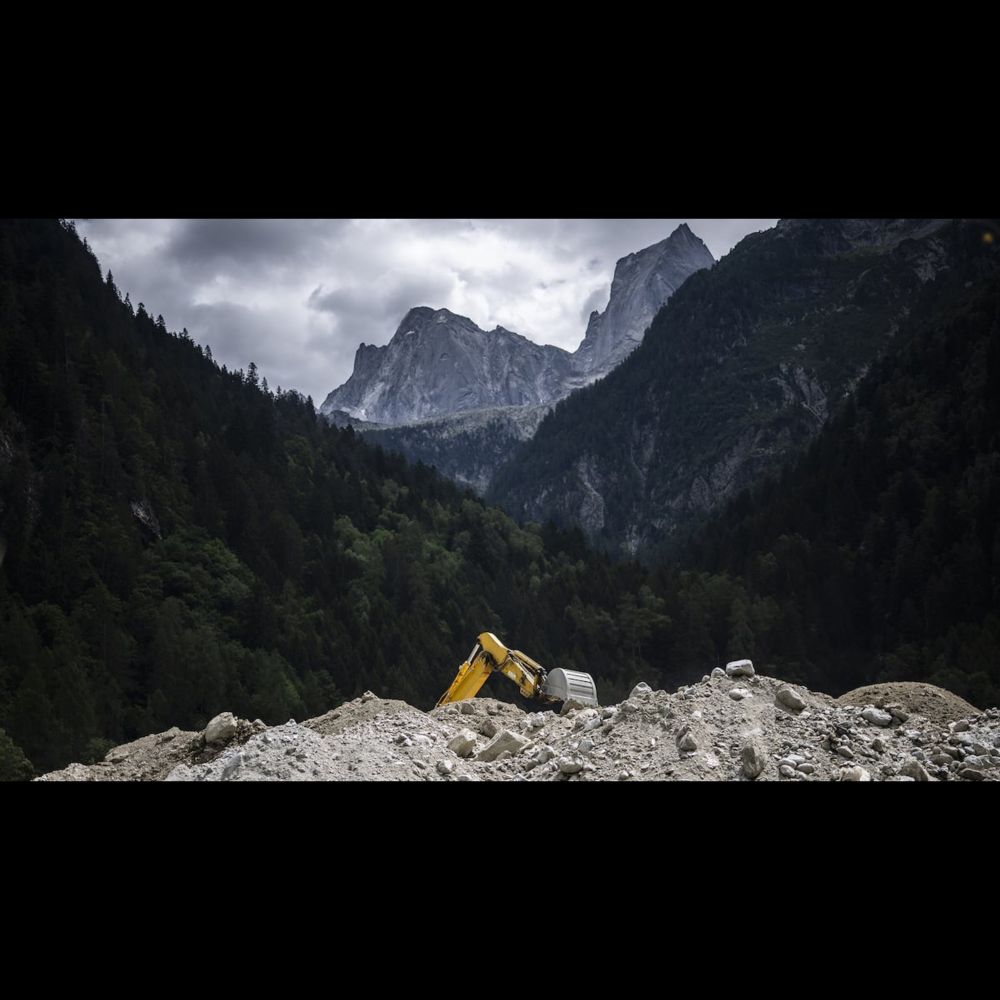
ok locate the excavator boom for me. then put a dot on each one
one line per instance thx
(532, 679)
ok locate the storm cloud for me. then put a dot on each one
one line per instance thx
(298, 296)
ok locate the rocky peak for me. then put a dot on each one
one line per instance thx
(642, 284)
(439, 363)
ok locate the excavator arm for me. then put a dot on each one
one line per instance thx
(533, 681)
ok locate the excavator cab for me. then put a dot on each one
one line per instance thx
(533, 680)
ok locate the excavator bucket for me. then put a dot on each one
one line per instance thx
(565, 684)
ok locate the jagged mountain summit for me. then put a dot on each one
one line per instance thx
(642, 284)
(438, 364)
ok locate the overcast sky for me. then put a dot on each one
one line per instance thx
(298, 296)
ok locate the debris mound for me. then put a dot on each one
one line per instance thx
(739, 727)
(934, 703)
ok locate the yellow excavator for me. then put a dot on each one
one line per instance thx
(533, 680)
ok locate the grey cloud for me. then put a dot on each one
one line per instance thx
(246, 242)
(298, 296)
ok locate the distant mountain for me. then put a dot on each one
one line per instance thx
(740, 369)
(438, 363)
(419, 391)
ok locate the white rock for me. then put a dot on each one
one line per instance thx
(445, 767)
(641, 688)
(738, 694)
(854, 774)
(787, 770)
(876, 716)
(740, 668)
(505, 741)
(790, 698)
(569, 766)
(464, 744)
(221, 729)
(718, 672)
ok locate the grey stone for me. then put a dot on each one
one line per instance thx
(506, 740)
(854, 774)
(941, 759)
(221, 729)
(489, 728)
(569, 766)
(738, 694)
(740, 668)
(232, 767)
(445, 767)
(641, 688)
(806, 768)
(846, 752)
(467, 707)
(971, 774)
(586, 745)
(687, 743)
(786, 770)
(960, 726)
(915, 770)
(877, 717)
(718, 672)
(464, 744)
(753, 758)
(790, 698)
(898, 712)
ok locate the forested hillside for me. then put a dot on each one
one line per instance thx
(736, 374)
(881, 545)
(177, 540)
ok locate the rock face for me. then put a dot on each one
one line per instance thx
(438, 363)
(738, 371)
(462, 399)
(467, 447)
(642, 283)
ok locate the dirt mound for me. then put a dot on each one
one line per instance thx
(368, 706)
(724, 728)
(931, 702)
